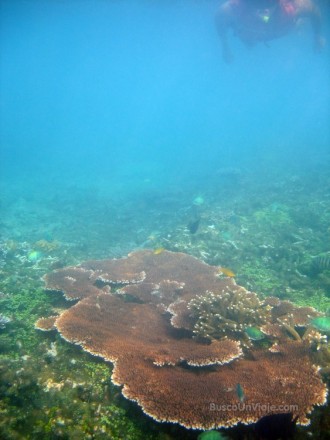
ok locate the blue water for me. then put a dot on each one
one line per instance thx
(121, 128)
(126, 94)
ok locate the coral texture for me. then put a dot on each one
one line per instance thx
(143, 313)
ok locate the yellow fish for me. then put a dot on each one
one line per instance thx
(159, 250)
(226, 271)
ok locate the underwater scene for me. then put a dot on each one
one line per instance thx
(165, 219)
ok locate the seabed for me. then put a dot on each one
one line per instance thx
(272, 232)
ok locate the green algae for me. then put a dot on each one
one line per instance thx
(273, 215)
(69, 395)
(49, 389)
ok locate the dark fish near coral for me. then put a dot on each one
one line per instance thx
(276, 426)
(193, 225)
(240, 392)
(321, 263)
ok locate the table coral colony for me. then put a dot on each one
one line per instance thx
(175, 331)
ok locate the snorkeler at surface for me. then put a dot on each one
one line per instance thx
(254, 21)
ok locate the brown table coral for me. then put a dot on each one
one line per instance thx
(174, 331)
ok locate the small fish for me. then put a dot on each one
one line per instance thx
(159, 250)
(275, 426)
(193, 225)
(3, 321)
(240, 393)
(321, 323)
(198, 201)
(226, 271)
(34, 256)
(212, 435)
(254, 333)
(321, 263)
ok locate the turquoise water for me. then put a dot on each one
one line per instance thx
(120, 127)
(102, 92)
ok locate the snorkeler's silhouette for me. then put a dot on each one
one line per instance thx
(256, 21)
